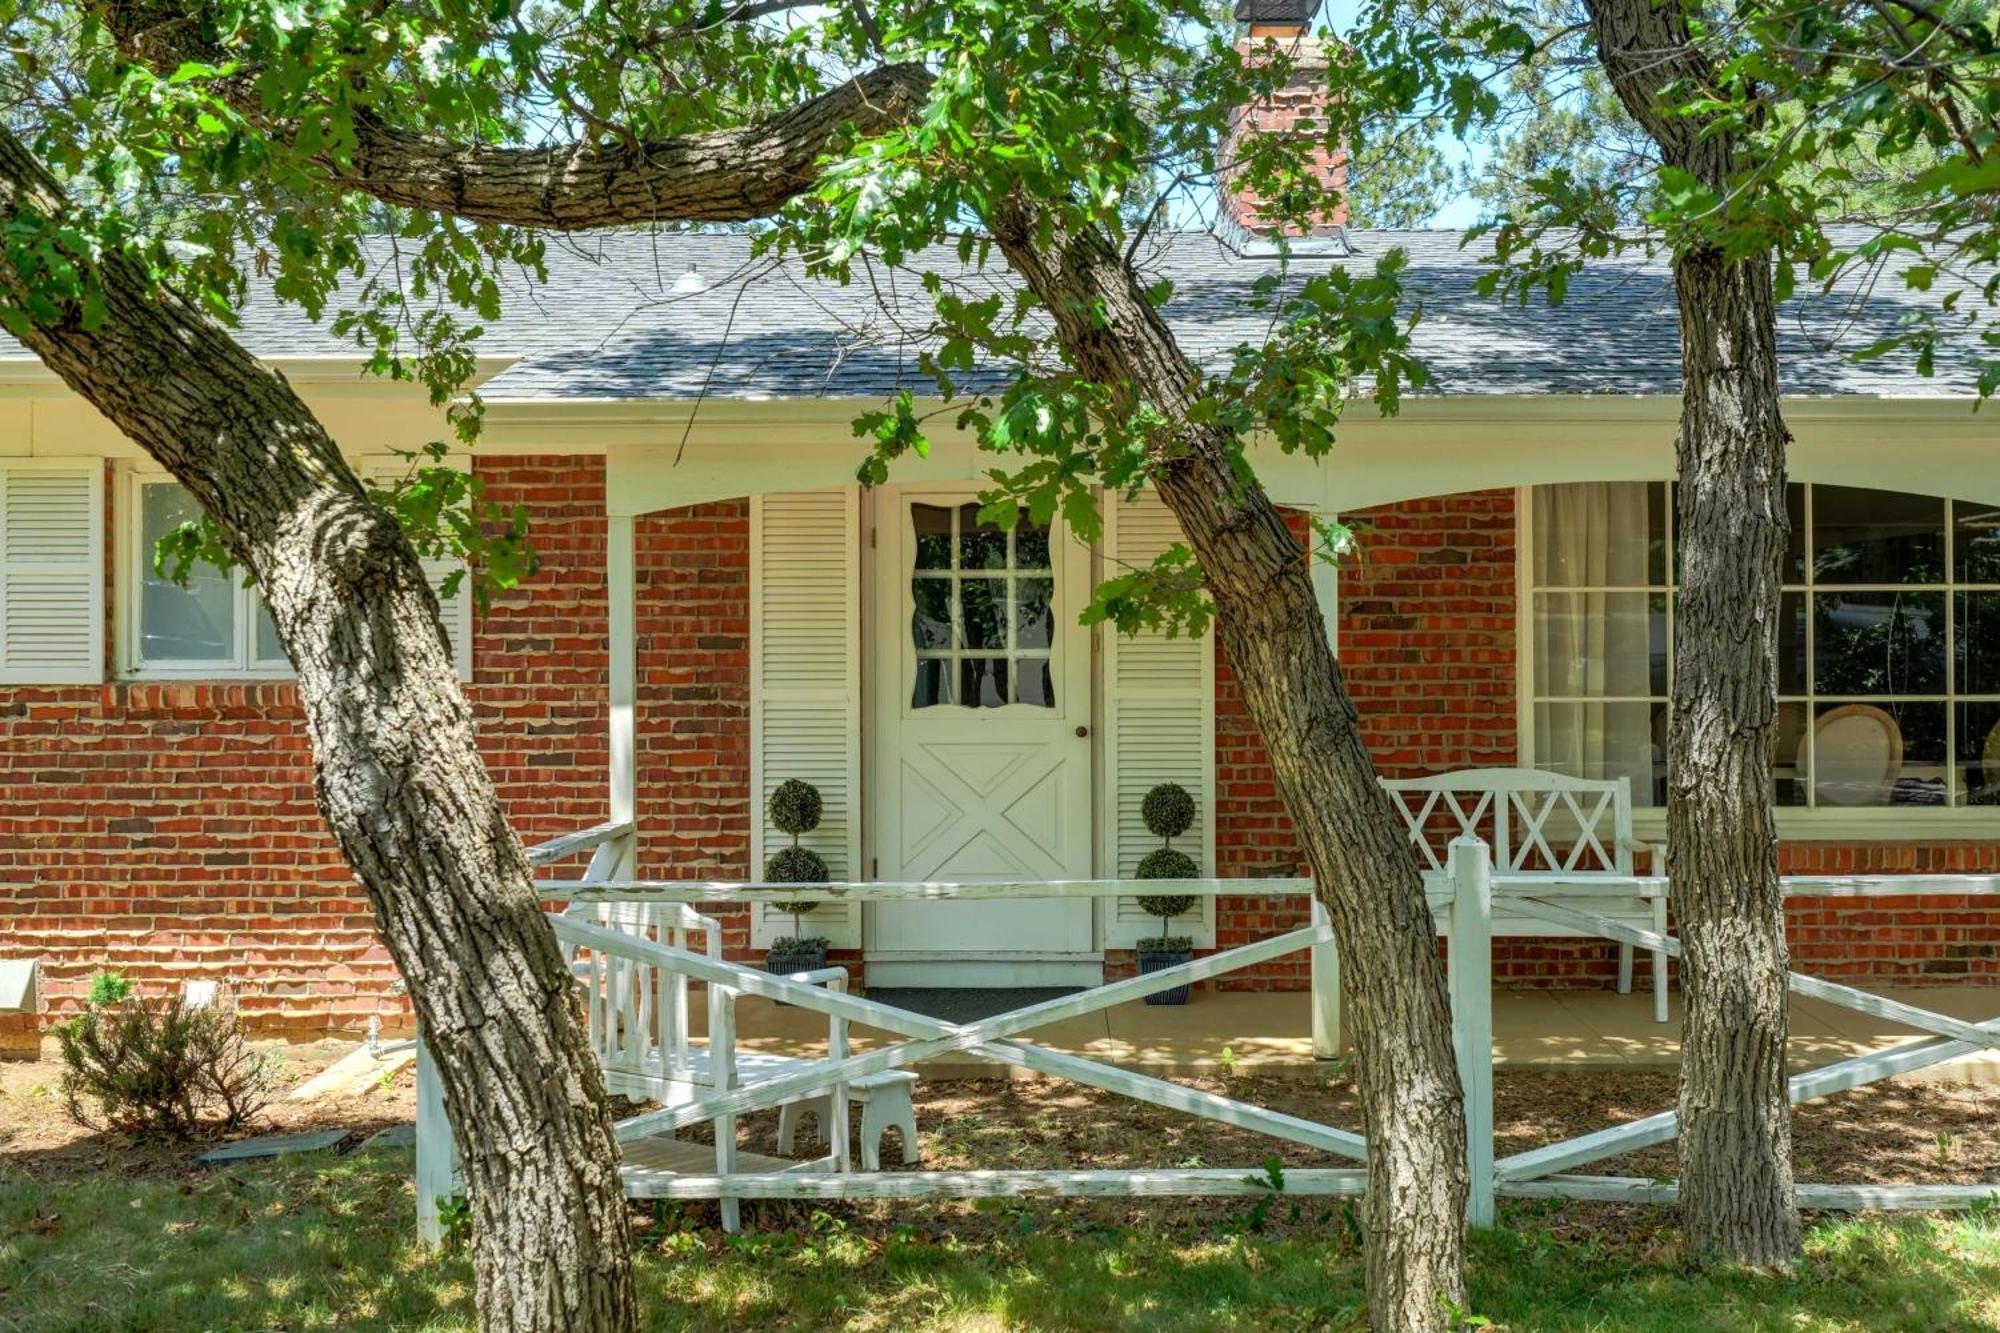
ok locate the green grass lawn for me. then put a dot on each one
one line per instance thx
(328, 1244)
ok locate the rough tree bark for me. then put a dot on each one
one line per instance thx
(1269, 622)
(1737, 1198)
(395, 771)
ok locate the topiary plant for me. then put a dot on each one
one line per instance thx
(795, 807)
(1168, 811)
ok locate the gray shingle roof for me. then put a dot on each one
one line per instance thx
(610, 324)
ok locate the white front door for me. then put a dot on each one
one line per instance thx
(982, 758)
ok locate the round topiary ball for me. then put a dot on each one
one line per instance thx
(1168, 810)
(1166, 905)
(1167, 863)
(796, 865)
(795, 807)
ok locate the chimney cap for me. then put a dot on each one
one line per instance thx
(1296, 13)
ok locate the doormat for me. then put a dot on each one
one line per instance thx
(965, 1004)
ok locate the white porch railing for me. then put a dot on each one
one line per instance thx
(640, 929)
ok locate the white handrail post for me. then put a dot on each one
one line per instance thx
(837, 1111)
(1470, 960)
(722, 1064)
(436, 1153)
(1325, 957)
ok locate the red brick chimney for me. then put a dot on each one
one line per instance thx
(1303, 99)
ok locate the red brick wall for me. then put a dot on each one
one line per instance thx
(168, 830)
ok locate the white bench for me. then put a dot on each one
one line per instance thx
(885, 1104)
(1543, 823)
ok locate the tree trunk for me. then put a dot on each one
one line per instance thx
(396, 772)
(1737, 1197)
(1270, 625)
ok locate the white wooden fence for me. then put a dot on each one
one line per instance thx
(660, 966)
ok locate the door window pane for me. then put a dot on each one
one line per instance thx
(195, 622)
(1862, 536)
(982, 616)
(982, 682)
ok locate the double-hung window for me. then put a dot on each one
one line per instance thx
(1889, 643)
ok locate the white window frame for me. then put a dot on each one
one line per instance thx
(134, 556)
(1818, 823)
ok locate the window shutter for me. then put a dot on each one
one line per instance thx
(805, 686)
(51, 574)
(1159, 726)
(457, 608)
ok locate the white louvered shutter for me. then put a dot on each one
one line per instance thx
(1159, 726)
(457, 608)
(51, 574)
(805, 686)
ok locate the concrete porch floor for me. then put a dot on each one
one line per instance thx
(1270, 1034)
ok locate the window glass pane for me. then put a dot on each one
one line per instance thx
(1034, 613)
(982, 682)
(1862, 536)
(934, 678)
(982, 610)
(1598, 534)
(1975, 541)
(1600, 643)
(1031, 545)
(1790, 765)
(1878, 643)
(1978, 643)
(1795, 543)
(1891, 753)
(267, 647)
(930, 619)
(195, 623)
(1606, 740)
(980, 545)
(1979, 754)
(1792, 643)
(1033, 680)
(933, 529)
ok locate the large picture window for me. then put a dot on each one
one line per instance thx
(1889, 643)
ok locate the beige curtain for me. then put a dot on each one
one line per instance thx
(1593, 646)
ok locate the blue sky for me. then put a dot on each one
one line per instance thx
(1461, 211)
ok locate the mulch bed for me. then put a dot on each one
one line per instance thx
(1887, 1133)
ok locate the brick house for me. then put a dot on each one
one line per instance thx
(714, 588)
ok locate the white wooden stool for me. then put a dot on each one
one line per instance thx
(885, 1104)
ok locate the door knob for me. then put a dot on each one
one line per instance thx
(1083, 731)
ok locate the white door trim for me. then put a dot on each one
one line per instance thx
(888, 664)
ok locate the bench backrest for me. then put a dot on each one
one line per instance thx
(1531, 819)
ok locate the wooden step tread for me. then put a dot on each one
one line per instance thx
(678, 1158)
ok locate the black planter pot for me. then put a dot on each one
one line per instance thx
(1151, 961)
(795, 960)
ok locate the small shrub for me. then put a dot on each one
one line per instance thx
(169, 1068)
(108, 988)
(1167, 863)
(795, 808)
